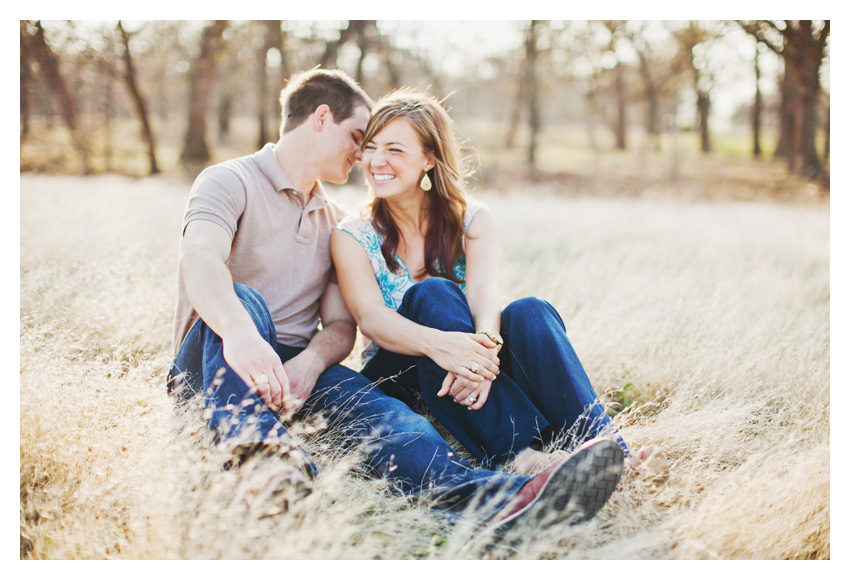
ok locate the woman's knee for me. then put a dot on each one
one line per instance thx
(530, 310)
(528, 307)
(434, 287)
(438, 303)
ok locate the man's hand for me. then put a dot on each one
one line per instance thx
(303, 371)
(250, 357)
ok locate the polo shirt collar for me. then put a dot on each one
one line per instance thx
(272, 170)
(274, 173)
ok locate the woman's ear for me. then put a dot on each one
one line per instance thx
(429, 163)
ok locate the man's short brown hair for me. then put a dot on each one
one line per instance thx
(307, 90)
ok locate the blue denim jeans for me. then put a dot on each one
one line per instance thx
(396, 442)
(541, 395)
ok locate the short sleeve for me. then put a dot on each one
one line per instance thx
(218, 195)
(472, 209)
(362, 231)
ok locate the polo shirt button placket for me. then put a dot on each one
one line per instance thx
(305, 228)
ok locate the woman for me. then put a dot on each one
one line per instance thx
(419, 273)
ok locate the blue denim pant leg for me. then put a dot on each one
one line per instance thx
(235, 415)
(508, 423)
(398, 444)
(402, 446)
(539, 356)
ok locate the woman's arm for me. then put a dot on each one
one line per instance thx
(482, 291)
(482, 270)
(452, 351)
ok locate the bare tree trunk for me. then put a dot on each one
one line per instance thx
(620, 105)
(808, 124)
(195, 151)
(826, 142)
(757, 106)
(802, 52)
(25, 85)
(139, 101)
(533, 93)
(703, 109)
(810, 57)
(262, 93)
(590, 118)
(519, 105)
(653, 125)
(331, 53)
(273, 39)
(360, 27)
(386, 52)
(108, 113)
(223, 112)
(52, 76)
(653, 128)
(787, 118)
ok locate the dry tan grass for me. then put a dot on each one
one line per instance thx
(715, 314)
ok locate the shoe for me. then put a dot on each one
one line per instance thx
(571, 492)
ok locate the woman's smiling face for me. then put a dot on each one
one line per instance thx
(394, 160)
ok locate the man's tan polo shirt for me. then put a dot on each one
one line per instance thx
(280, 240)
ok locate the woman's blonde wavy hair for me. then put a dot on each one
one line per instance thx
(448, 195)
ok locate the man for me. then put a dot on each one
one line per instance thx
(255, 280)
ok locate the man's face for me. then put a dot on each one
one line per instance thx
(341, 145)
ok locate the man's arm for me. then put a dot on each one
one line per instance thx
(209, 286)
(328, 347)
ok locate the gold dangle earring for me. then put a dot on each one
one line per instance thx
(425, 184)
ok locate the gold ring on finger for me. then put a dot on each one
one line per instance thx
(261, 380)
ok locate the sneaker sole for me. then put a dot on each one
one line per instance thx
(573, 494)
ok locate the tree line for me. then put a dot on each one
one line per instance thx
(187, 73)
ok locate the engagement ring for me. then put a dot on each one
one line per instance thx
(474, 368)
(261, 380)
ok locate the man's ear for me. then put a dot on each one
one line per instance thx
(322, 115)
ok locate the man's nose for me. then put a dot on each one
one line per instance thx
(358, 154)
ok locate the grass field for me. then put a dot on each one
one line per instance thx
(712, 318)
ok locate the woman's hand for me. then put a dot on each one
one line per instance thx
(464, 392)
(465, 355)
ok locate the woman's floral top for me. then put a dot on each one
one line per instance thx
(393, 285)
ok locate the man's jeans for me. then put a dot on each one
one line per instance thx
(542, 393)
(397, 443)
